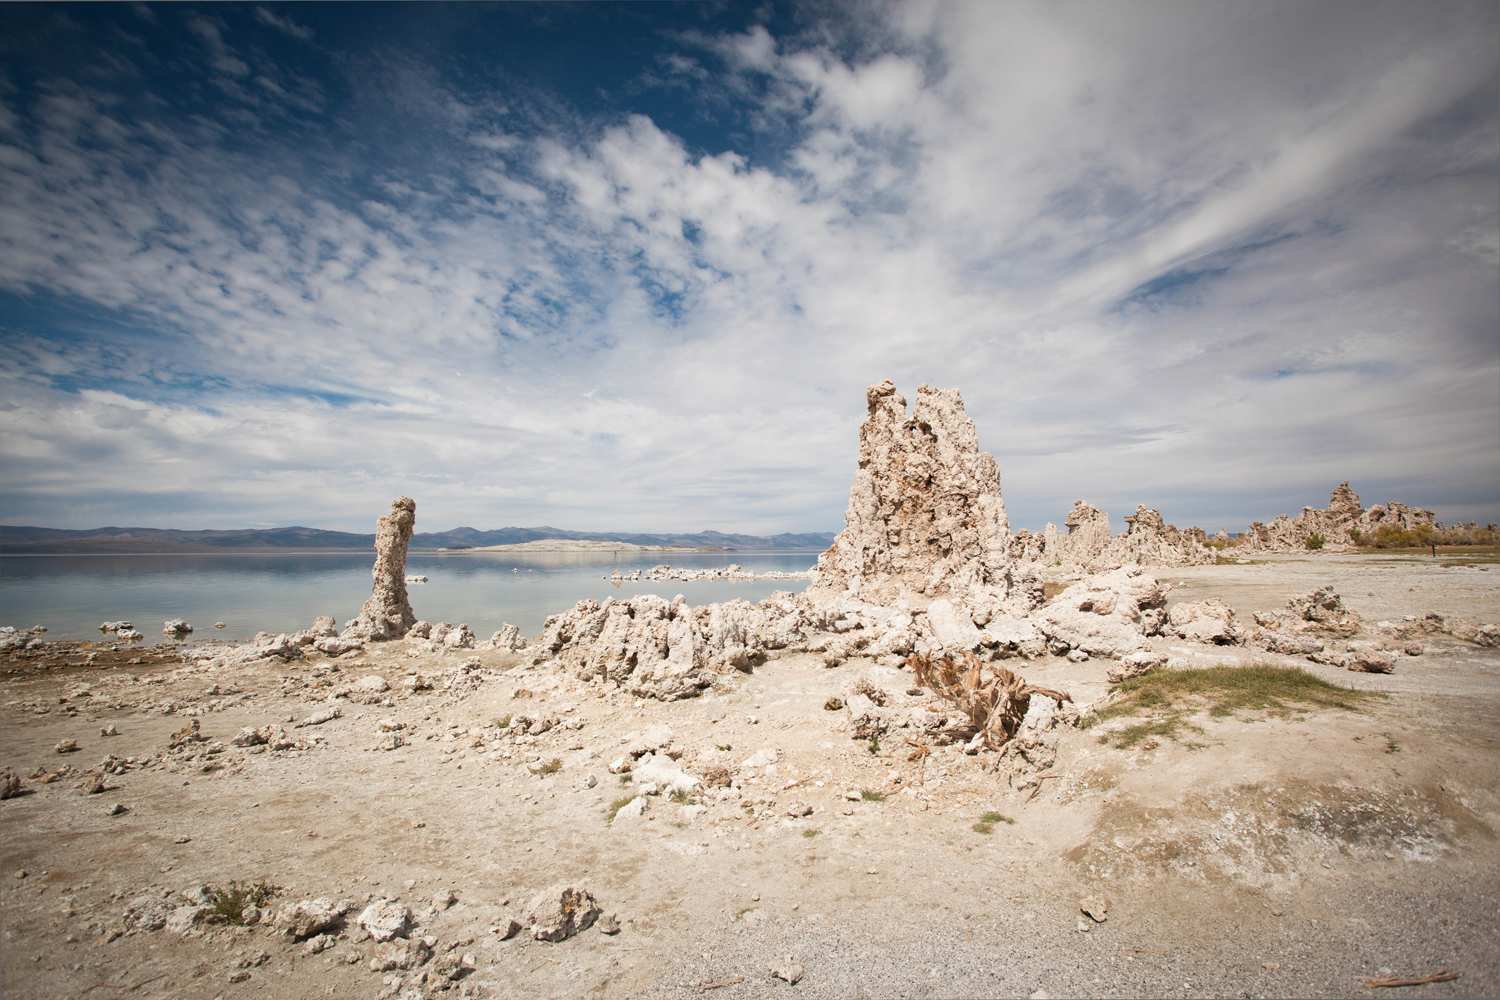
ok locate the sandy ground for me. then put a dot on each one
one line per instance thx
(1265, 856)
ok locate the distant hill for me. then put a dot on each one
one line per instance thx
(21, 539)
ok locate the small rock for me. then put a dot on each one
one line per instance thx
(1366, 657)
(10, 784)
(110, 730)
(444, 899)
(590, 781)
(786, 969)
(1414, 649)
(184, 918)
(833, 704)
(118, 809)
(509, 929)
(94, 786)
(308, 917)
(385, 920)
(147, 913)
(799, 809)
(761, 758)
(634, 809)
(1095, 907)
(319, 943)
(1077, 656)
(399, 953)
(318, 718)
(239, 976)
(559, 912)
(65, 746)
(609, 924)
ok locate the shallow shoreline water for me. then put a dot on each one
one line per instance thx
(281, 592)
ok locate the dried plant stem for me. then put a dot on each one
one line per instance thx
(994, 699)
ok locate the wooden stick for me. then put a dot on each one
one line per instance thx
(1441, 977)
(727, 982)
(1038, 788)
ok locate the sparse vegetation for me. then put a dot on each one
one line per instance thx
(809, 834)
(1168, 696)
(682, 797)
(1425, 536)
(551, 767)
(872, 796)
(625, 778)
(616, 806)
(725, 747)
(502, 723)
(230, 902)
(993, 697)
(874, 744)
(987, 822)
(1392, 745)
(1315, 541)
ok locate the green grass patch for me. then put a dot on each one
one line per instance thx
(874, 744)
(1167, 697)
(869, 795)
(503, 722)
(230, 902)
(616, 806)
(725, 747)
(987, 822)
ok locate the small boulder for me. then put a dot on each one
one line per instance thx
(1367, 657)
(147, 913)
(787, 970)
(385, 920)
(559, 912)
(1135, 664)
(399, 954)
(308, 917)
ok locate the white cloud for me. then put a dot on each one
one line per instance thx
(1204, 258)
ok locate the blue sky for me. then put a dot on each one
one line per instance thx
(631, 266)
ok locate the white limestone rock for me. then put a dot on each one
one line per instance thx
(384, 920)
(925, 519)
(559, 912)
(387, 614)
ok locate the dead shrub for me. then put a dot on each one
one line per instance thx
(993, 697)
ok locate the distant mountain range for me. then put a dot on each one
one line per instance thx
(23, 539)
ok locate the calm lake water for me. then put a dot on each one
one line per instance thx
(276, 592)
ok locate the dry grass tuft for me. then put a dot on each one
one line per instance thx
(1167, 696)
(993, 698)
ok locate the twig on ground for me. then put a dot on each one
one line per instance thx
(1040, 778)
(727, 982)
(1438, 977)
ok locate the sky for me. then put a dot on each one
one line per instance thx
(630, 266)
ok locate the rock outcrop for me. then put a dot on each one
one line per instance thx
(925, 518)
(1090, 546)
(1339, 524)
(387, 614)
(1109, 614)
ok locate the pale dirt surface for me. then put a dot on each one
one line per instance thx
(1264, 856)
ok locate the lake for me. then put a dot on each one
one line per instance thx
(282, 592)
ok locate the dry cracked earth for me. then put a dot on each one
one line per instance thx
(1293, 854)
